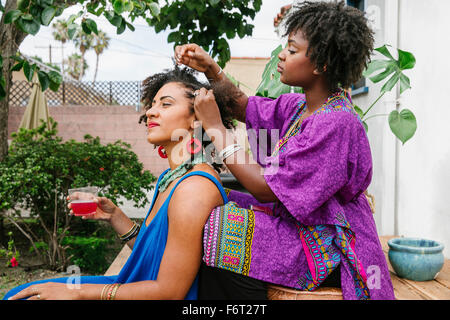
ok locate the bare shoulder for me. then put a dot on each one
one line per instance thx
(196, 196)
(206, 168)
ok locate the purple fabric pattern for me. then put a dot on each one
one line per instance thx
(319, 176)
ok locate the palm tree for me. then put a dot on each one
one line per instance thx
(101, 42)
(60, 34)
(76, 66)
(84, 42)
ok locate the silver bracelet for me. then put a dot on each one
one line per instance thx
(218, 73)
(228, 151)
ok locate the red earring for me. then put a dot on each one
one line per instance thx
(162, 152)
(197, 146)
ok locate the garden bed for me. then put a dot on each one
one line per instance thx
(31, 268)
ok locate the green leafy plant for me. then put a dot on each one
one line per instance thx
(403, 124)
(270, 85)
(39, 170)
(216, 19)
(88, 253)
(11, 253)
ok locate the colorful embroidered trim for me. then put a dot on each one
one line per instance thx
(227, 191)
(317, 242)
(324, 250)
(228, 237)
(346, 241)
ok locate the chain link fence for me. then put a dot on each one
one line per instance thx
(122, 93)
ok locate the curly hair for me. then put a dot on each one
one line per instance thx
(223, 94)
(340, 40)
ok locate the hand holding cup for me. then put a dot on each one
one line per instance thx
(85, 203)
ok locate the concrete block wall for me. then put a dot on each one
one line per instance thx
(109, 123)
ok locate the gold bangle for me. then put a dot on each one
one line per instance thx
(110, 289)
(102, 297)
(123, 236)
(113, 294)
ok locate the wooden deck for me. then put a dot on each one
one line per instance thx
(404, 289)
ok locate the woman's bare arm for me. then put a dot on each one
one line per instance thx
(188, 211)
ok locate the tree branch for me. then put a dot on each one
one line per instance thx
(25, 234)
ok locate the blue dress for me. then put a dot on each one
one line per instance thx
(145, 258)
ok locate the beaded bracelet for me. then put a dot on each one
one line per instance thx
(114, 291)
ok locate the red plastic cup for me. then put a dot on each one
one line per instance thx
(83, 203)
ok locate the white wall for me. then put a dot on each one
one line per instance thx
(412, 185)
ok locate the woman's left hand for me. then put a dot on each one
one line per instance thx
(206, 109)
(48, 291)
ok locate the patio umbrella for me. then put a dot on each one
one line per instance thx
(37, 108)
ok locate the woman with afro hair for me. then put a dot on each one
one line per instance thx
(310, 224)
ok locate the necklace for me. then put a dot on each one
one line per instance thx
(296, 121)
(179, 171)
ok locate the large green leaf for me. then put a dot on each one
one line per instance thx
(271, 86)
(119, 6)
(406, 60)
(85, 27)
(28, 26)
(391, 68)
(92, 25)
(47, 15)
(43, 80)
(121, 28)
(403, 124)
(55, 80)
(12, 16)
(17, 66)
(28, 70)
(154, 9)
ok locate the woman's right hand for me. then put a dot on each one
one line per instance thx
(105, 208)
(193, 56)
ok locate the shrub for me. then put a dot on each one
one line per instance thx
(39, 170)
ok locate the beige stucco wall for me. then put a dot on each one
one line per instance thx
(248, 71)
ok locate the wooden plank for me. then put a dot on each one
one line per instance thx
(403, 291)
(282, 293)
(432, 289)
(119, 261)
(444, 276)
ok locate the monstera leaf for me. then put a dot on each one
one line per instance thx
(403, 124)
(391, 67)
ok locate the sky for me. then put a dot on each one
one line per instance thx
(133, 56)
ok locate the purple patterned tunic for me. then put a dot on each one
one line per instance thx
(322, 220)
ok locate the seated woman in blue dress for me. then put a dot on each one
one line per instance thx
(167, 247)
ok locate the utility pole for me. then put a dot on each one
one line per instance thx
(50, 54)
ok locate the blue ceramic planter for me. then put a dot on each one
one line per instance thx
(416, 259)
